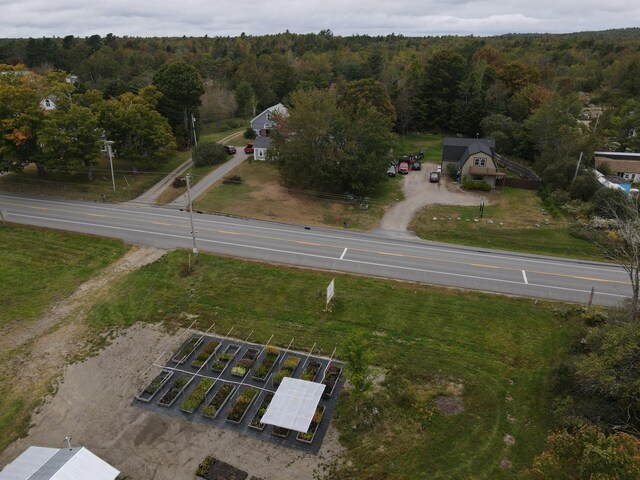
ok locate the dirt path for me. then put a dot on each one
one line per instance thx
(94, 405)
(419, 193)
(18, 334)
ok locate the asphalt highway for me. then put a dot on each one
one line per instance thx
(342, 251)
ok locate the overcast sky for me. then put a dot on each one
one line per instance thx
(38, 18)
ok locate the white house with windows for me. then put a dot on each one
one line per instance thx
(473, 159)
(261, 125)
(47, 104)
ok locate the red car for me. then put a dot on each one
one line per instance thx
(403, 168)
(248, 148)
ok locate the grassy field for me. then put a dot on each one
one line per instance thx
(76, 185)
(431, 145)
(518, 224)
(495, 352)
(260, 195)
(38, 268)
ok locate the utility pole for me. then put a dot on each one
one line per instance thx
(108, 144)
(193, 231)
(193, 128)
(577, 168)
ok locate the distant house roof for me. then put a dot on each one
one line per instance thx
(617, 155)
(40, 463)
(459, 149)
(264, 118)
(261, 142)
(48, 103)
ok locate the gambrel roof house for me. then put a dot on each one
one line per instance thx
(472, 157)
(47, 104)
(622, 164)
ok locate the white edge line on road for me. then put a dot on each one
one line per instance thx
(524, 275)
(342, 256)
(398, 267)
(288, 229)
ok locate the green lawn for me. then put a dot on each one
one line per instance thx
(260, 195)
(500, 349)
(518, 225)
(38, 268)
(431, 145)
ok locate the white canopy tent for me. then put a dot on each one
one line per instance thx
(294, 404)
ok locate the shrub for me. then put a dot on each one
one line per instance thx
(476, 185)
(232, 180)
(179, 182)
(249, 133)
(209, 154)
(452, 171)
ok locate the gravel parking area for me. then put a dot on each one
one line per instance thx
(419, 193)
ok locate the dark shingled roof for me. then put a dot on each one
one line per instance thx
(459, 149)
(261, 142)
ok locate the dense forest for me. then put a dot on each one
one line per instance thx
(526, 91)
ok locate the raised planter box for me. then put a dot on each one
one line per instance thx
(280, 432)
(245, 363)
(154, 386)
(242, 405)
(256, 422)
(174, 391)
(195, 398)
(208, 350)
(262, 371)
(218, 401)
(186, 351)
(287, 369)
(315, 423)
(221, 363)
(330, 380)
(311, 370)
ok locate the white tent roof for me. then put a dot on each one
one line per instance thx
(39, 463)
(294, 404)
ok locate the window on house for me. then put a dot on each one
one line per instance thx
(478, 178)
(479, 162)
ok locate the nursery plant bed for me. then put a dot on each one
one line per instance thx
(263, 370)
(218, 401)
(154, 386)
(287, 369)
(330, 380)
(195, 398)
(242, 405)
(256, 422)
(220, 364)
(209, 349)
(280, 432)
(311, 370)
(174, 392)
(186, 351)
(245, 363)
(308, 436)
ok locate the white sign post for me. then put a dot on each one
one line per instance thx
(330, 290)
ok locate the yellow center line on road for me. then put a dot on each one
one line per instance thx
(341, 247)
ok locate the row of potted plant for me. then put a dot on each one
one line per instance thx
(220, 364)
(209, 349)
(308, 436)
(154, 386)
(186, 351)
(242, 405)
(263, 370)
(287, 369)
(178, 386)
(311, 370)
(195, 398)
(218, 401)
(256, 421)
(330, 380)
(245, 363)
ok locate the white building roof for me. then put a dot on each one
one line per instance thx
(294, 404)
(39, 463)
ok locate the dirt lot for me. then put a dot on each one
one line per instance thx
(419, 193)
(93, 401)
